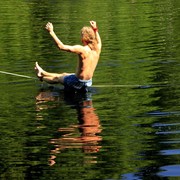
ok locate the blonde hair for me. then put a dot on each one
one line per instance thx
(88, 35)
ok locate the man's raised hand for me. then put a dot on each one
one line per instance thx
(93, 25)
(49, 27)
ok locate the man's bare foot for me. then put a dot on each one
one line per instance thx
(39, 71)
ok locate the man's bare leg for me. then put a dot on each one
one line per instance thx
(51, 78)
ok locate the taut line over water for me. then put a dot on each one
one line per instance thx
(97, 86)
(19, 75)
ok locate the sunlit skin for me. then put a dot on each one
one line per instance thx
(88, 54)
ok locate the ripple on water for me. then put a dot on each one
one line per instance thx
(170, 171)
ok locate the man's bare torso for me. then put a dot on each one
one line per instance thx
(87, 63)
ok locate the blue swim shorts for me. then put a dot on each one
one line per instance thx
(72, 82)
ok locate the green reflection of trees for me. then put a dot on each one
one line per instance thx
(124, 137)
(140, 46)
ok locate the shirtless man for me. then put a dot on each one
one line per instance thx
(88, 58)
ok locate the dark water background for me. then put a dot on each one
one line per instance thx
(126, 127)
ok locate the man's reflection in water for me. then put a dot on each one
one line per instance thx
(88, 127)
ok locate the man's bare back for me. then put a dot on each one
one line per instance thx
(88, 54)
(87, 64)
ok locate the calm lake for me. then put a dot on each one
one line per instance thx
(127, 127)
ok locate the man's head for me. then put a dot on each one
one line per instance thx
(88, 35)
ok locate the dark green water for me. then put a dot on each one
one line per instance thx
(126, 127)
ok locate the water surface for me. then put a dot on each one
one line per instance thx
(127, 125)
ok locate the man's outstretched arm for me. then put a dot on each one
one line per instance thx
(75, 49)
(95, 28)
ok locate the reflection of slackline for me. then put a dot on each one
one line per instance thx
(98, 86)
